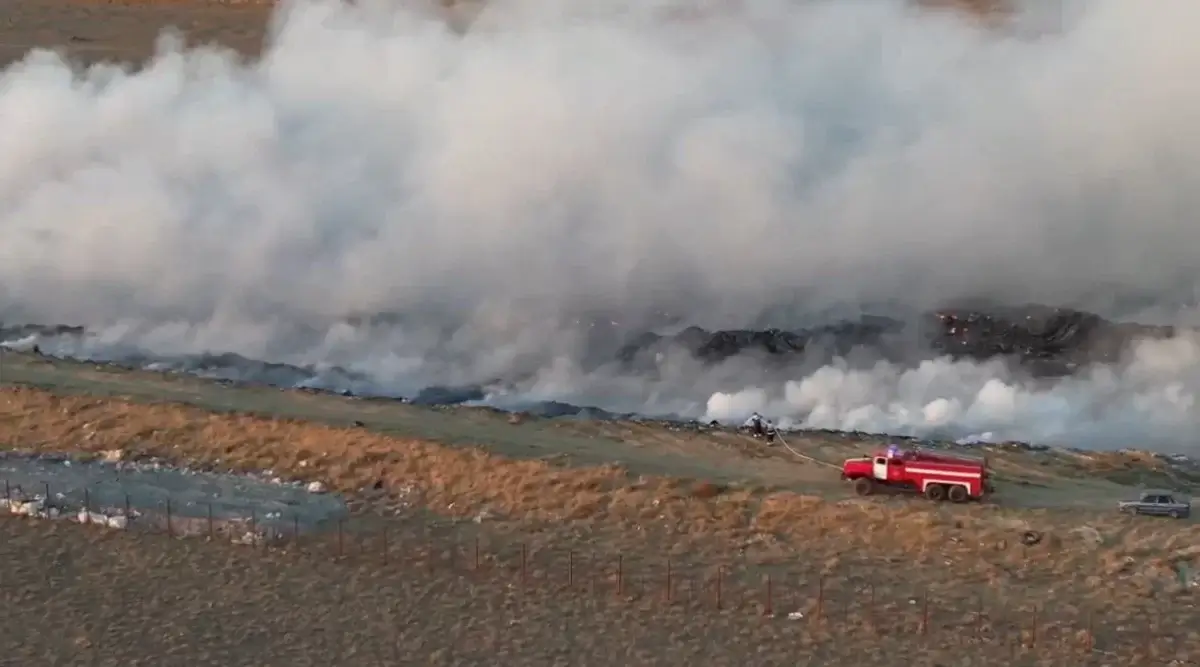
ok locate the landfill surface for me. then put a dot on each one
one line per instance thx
(1043, 341)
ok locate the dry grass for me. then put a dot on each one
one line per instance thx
(212, 604)
(89, 597)
(1113, 561)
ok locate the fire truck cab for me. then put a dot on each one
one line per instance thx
(936, 476)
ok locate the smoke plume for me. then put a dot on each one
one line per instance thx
(386, 192)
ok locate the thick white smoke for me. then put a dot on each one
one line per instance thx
(563, 160)
(1150, 401)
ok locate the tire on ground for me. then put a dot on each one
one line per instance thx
(935, 492)
(864, 486)
(958, 494)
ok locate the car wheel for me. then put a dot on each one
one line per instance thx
(1174, 514)
(935, 492)
(864, 486)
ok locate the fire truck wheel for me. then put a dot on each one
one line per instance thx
(957, 494)
(935, 492)
(864, 486)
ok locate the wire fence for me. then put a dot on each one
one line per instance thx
(834, 607)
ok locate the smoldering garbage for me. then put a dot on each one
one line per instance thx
(1046, 341)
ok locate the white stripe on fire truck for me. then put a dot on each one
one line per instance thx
(946, 473)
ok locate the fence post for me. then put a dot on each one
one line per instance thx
(820, 597)
(476, 553)
(769, 610)
(87, 501)
(667, 592)
(870, 604)
(127, 517)
(979, 618)
(925, 612)
(524, 564)
(340, 538)
(211, 527)
(571, 569)
(620, 575)
(7, 491)
(296, 529)
(169, 532)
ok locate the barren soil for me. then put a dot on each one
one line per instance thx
(88, 597)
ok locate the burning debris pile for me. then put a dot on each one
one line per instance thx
(1047, 341)
(717, 346)
(1050, 341)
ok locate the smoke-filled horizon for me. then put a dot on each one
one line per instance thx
(769, 164)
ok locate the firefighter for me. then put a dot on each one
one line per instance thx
(760, 427)
(757, 425)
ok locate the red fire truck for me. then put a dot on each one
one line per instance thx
(938, 476)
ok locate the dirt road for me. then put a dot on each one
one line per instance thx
(1052, 479)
